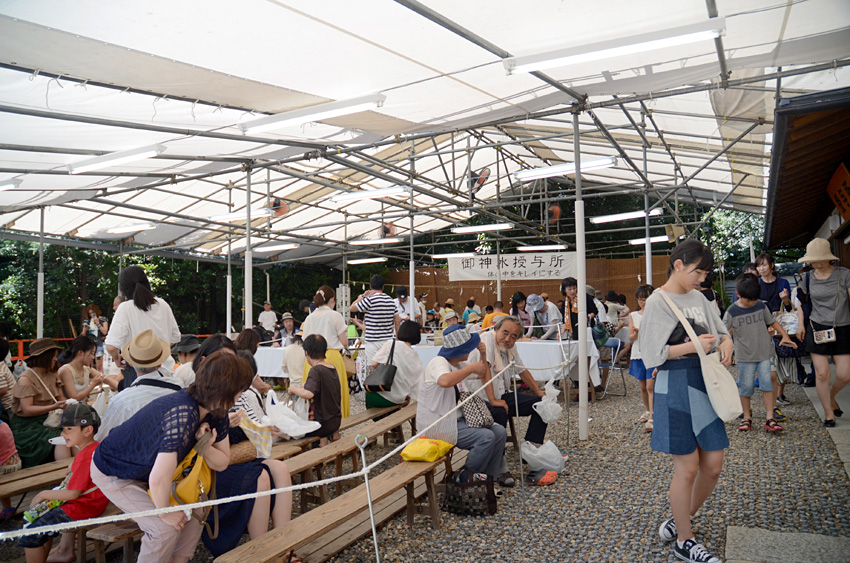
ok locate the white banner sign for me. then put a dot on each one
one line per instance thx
(525, 266)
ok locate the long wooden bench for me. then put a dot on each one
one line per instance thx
(299, 531)
(39, 477)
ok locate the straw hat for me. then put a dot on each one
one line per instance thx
(473, 317)
(818, 250)
(146, 350)
(42, 345)
(450, 301)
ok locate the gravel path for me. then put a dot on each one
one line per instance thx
(609, 506)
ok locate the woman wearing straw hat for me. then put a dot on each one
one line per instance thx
(37, 392)
(828, 330)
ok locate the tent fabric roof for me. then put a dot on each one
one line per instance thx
(88, 78)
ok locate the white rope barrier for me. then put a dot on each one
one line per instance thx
(187, 508)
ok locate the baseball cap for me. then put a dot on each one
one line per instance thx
(80, 414)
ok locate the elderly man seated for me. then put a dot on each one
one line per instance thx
(500, 351)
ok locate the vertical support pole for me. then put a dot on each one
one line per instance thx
(581, 274)
(345, 249)
(648, 245)
(499, 272)
(39, 330)
(411, 294)
(120, 263)
(249, 261)
(268, 287)
(229, 286)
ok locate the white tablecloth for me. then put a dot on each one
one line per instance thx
(269, 362)
(540, 354)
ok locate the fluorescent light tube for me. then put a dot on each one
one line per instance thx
(115, 158)
(146, 226)
(625, 216)
(370, 194)
(9, 184)
(482, 228)
(639, 241)
(455, 255)
(641, 43)
(366, 260)
(243, 214)
(366, 242)
(276, 247)
(313, 113)
(541, 248)
(564, 169)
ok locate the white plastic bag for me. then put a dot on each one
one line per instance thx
(547, 456)
(302, 408)
(286, 420)
(549, 409)
(99, 404)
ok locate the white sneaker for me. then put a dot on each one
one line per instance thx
(645, 416)
(667, 531)
(693, 552)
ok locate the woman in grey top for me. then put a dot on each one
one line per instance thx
(685, 424)
(828, 331)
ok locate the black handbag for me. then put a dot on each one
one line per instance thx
(469, 498)
(381, 378)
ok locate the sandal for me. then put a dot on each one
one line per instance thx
(772, 426)
(746, 425)
(541, 477)
(292, 558)
(507, 480)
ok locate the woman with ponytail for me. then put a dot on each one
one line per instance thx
(140, 312)
(326, 321)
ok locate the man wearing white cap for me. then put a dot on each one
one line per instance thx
(267, 318)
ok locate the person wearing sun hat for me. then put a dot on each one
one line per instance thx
(36, 393)
(146, 353)
(828, 287)
(544, 315)
(441, 382)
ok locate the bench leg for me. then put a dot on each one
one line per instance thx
(129, 555)
(512, 435)
(413, 426)
(323, 489)
(411, 504)
(305, 493)
(338, 473)
(432, 500)
(81, 546)
(99, 552)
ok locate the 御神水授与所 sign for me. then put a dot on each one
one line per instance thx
(525, 266)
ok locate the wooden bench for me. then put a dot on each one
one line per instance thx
(311, 463)
(42, 476)
(319, 521)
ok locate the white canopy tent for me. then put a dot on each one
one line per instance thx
(690, 123)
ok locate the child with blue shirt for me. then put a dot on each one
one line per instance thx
(748, 320)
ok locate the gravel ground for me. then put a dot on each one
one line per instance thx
(609, 506)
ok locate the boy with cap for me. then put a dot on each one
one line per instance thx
(76, 499)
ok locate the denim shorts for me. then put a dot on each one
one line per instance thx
(52, 516)
(747, 372)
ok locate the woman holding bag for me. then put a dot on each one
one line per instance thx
(409, 366)
(328, 323)
(828, 331)
(37, 392)
(143, 453)
(685, 424)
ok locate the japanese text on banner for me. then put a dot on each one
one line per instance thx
(530, 266)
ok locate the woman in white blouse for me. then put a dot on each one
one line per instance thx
(324, 320)
(409, 366)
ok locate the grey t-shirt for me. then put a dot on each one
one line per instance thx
(660, 329)
(824, 293)
(749, 330)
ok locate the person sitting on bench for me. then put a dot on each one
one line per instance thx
(322, 386)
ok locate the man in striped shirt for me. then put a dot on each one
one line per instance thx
(381, 318)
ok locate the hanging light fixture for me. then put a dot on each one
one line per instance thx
(482, 228)
(652, 41)
(366, 260)
(9, 184)
(639, 241)
(455, 255)
(146, 226)
(312, 113)
(276, 247)
(115, 158)
(541, 248)
(564, 169)
(370, 242)
(625, 216)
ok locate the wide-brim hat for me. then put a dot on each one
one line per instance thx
(544, 295)
(451, 314)
(612, 295)
(818, 250)
(188, 343)
(473, 317)
(534, 302)
(146, 350)
(457, 342)
(42, 345)
(287, 316)
(590, 291)
(450, 301)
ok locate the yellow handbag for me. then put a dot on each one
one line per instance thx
(425, 449)
(194, 481)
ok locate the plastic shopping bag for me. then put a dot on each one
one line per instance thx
(549, 409)
(99, 404)
(286, 420)
(547, 456)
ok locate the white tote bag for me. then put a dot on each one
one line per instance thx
(719, 384)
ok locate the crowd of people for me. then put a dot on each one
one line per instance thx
(126, 452)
